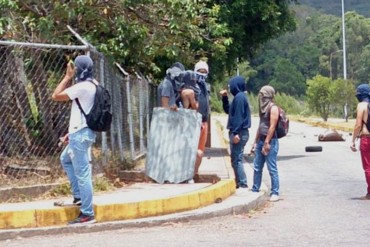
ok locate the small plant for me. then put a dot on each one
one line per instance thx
(102, 184)
(62, 189)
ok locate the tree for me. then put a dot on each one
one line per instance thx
(253, 23)
(342, 92)
(318, 95)
(149, 35)
(287, 78)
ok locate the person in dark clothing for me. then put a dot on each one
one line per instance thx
(238, 123)
(189, 90)
(201, 70)
(167, 89)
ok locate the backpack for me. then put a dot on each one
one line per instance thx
(282, 127)
(100, 117)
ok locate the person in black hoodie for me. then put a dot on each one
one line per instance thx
(238, 123)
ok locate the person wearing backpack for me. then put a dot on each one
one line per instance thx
(238, 123)
(266, 144)
(75, 157)
(361, 130)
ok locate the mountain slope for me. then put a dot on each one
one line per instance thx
(335, 6)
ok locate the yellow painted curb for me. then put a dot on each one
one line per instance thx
(56, 216)
(60, 216)
(347, 127)
(17, 219)
(193, 200)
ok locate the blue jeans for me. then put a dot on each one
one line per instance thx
(270, 159)
(75, 160)
(237, 152)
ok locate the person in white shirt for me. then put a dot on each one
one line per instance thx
(75, 157)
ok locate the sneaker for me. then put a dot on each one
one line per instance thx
(83, 219)
(77, 201)
(190, 181)
(274, 198)
(243, 186)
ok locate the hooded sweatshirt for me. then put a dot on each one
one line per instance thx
(239, 112)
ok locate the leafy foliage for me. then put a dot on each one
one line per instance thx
(335, 7)
(325, 96)
(149, 35)
(318, 95)
(314, 48)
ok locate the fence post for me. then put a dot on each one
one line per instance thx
(104, 145)
(129, 111)
(141, 106)
(147, 112)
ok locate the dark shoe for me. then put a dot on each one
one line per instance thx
(367, 197)
(77, 201)
(83, 219)
(243, 186)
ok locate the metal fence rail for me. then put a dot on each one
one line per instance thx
(31, 123)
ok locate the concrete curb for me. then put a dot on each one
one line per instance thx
(237, 204)
(216, 200)
(120, 211)
(322, 124)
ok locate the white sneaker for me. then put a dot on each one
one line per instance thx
(190, 181)
(274, 198)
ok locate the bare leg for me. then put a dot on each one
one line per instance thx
(201, 148)
(188, 99)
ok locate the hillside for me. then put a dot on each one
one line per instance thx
(335, 6)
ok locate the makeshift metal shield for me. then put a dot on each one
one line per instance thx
(172, 145)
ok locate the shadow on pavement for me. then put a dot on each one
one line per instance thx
(215, 152)
(250, 158)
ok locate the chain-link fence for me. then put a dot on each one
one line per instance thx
(31, 123)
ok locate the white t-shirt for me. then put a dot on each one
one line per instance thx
(85, 92)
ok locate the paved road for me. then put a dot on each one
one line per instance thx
(320, 206)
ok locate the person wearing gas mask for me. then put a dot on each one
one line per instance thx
(201, 70)
(167, 90)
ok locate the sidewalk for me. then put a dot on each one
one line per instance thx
(141, 203)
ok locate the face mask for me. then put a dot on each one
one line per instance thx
(359, 97)
(201, 77)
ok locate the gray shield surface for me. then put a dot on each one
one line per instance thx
(172, 145)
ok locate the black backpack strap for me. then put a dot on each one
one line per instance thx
(79, 106)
